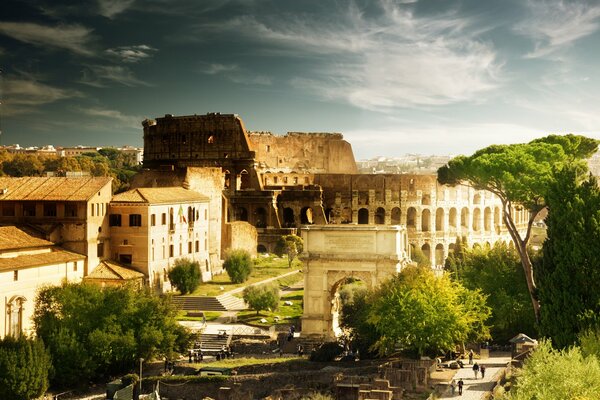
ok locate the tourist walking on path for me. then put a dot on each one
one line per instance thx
(460, 386)
(453, 386)
(471, 357)
(476, 370)
(482, 370)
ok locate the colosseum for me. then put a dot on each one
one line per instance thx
(278, 183)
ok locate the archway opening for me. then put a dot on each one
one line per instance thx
(439, 254)
(343, 296)
(380, 216)
(329, 215)
(260, 217)
(363, 216)
(425, 220)
(439, 220)
(262, 249)
(241, 214)
(289, 220)
(411, 217)
(395, 216)
(426, 250)
(306, 216)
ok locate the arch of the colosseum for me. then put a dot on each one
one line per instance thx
(334, 253)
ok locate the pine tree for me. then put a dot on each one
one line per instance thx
(25, 364)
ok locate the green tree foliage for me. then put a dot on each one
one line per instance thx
(262, 297)
(420, 312)
(354, 320)
(497, 273)
(25, 364)
(569, 274)
(519, 174)
(238, 265)
(23, 165)
(550, 374)
(185, 275)
(417, 255)
(292, 245)
(93, 332)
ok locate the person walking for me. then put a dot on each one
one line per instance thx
(471, 357)
(460, 386)
(453, 386)
(482, 370)
(476, 370)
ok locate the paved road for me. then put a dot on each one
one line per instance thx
(474, 389)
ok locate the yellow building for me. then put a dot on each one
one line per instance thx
(26, 264)
(150, 228)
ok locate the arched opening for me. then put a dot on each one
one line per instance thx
(346, 215)
(395, 216)
(244, 180)
(261, 249)
(289, 221)
(227, 179)
(363, 216)
(14, 312)
(439, 254)
(241, 214)
(426, 200)
(497, 224)
(380, 216)
(426, 220)
(306, 216)
(411, 217)
(477, 198)
(426, 250)
(464, 218)
(476, 219)
(439, 220)
(211, 139)
(343, 294)
(329, 215)
(171, 219)
(487, 219)
(452, 218)
(260, 217)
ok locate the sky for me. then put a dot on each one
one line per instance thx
(394, 77)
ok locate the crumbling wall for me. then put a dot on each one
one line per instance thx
(240, 235)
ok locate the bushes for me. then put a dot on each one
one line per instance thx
(326, 352)
(185, 275)
(262, 297)
(238, 265)
(25, 364)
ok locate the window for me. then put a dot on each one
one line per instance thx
(205, 214)
(114, 220)
(125, 258)
(70, 210)
(14, 312)
(100, 249)
(205, 244)
(8, 209)
(163, 219)
(50, 210)
(92, 207)
(275, 180)
(171, 250)
(135, 220)
(153, 220)
(189, 247)
(15, 275)
(285, 179)
(268, 148)
(197, 246)
(74, 266)
(29, 209)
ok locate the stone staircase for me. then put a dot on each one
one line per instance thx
(225, 302)
(212, 343)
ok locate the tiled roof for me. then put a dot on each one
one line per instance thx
(12, 238)
(159, 195)
(36, 260)
(109, 270)
(51, 188)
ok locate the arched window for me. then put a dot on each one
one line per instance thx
(425, 220)
(411, 217)
(363, 216)
(306, 216)
(395, 216)
(211, 139)
(14, 313)
(452, 218)
(439, 254)
(380, 216)
(439, 219)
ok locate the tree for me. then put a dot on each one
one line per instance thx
(238, 265)
(417, 255)
(497, 273)
(519, 175)
(23, 165)
(557, 375)
(354, 320)
(25, 364)
(420, 312)
(262, 297)
(292, 245)
(569, 274)
(93, 332)
(185, 275)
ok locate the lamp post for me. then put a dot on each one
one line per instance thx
(141, 361)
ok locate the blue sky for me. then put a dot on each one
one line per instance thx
(395, 77)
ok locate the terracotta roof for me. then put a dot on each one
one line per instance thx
(109, 270)
(51, 188)
(159, 195)
(58, 256)
(13, 238)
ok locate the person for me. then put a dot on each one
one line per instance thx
(453, 386)
(482, 369)
(476, 370)
(460, 386)
(471, 357)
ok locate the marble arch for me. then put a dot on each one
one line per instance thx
(334, 253)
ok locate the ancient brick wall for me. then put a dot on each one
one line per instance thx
(240, 235)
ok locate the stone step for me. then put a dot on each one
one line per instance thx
(232, 303)
(225, 302)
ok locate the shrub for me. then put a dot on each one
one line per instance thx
(185, 275)
(292, 245)
(326, 352)
(238, 265)
(262, 297)
(24, 364)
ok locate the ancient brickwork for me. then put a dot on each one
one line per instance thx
(240, 235)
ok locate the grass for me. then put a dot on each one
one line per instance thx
(264, 268)
(287, 314)
(244, 361)
(210, 316)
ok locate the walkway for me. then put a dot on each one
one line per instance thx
(241, 289)
(474, 389)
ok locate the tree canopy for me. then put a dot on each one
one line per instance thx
(262, 297)
(238, 265)
(185, 275)
(93, 332)
(519, 174)
(25, 365)
(292, 245)
(420, 312)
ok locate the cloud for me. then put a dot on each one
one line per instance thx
(105, 75)
(555, 24)
(235, 73)
(132, 54)
(384, 62)
(111, 8)
(75, 38)
(124, 120)
(22, 94)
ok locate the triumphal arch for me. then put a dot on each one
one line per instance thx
(334, 253)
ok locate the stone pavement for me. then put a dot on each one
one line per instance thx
(474, 389)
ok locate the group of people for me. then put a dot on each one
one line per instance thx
(476, 370)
